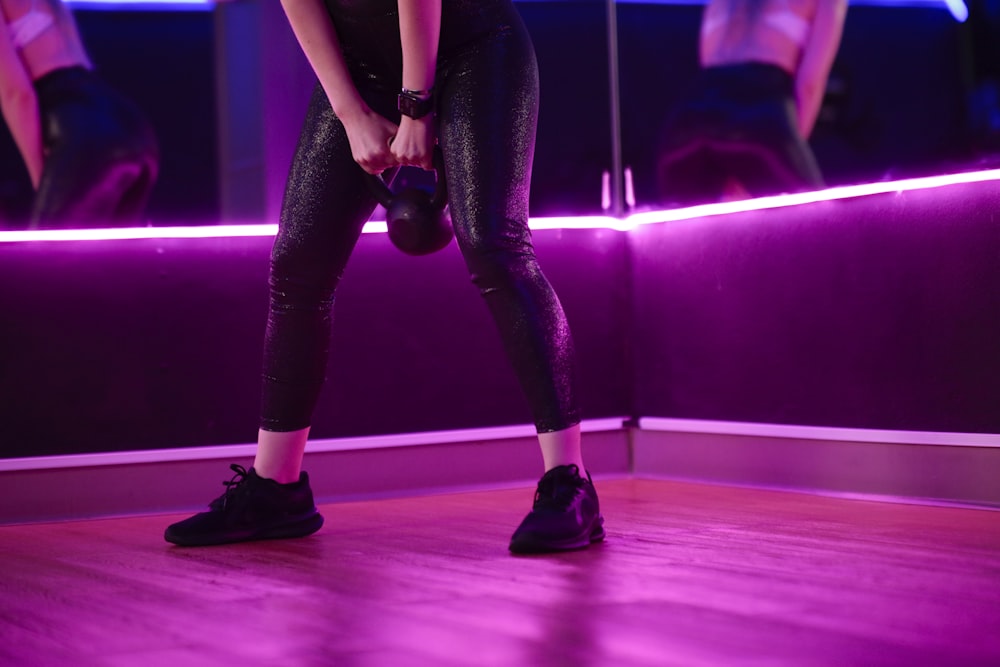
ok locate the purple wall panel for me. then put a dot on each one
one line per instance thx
(140, 344)
(877, 312)
(111, 345)
(420, 351)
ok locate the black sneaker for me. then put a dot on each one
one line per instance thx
(252, 508)
(566, 514)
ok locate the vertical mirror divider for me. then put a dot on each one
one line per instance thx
(617, 207)
(239, 113)
(618, 210)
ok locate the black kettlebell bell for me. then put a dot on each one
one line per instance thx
(418, 221)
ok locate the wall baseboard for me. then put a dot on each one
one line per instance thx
(939, 468)
(87, 486)
(911, 466)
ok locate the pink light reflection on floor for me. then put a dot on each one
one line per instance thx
(559, 222)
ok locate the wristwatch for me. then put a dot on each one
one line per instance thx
(415, 103)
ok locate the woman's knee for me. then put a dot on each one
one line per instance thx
(297, 283)
(499, 263)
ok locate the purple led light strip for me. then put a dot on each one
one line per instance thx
(563, 222)
(200, 5)
(842, 192)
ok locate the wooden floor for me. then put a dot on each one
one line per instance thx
(690, 575)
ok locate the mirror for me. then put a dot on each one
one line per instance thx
(913, 91)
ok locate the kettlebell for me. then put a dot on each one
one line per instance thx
(418, 221)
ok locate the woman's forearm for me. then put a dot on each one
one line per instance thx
(419, 32)
(319, 41)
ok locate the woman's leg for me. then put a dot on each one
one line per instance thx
(489, 106)
(279, 454)
(326, 204)
(562, 448)
(487, 133)
(325, 207)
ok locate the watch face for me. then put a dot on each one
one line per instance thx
(413, 106)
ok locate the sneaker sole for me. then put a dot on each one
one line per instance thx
(529, 546)
(301, 528)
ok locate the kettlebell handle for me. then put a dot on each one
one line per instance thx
(379, 188)
(439, 199)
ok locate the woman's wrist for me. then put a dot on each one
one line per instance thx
(415, 103)
(347, 104)
(423, 121)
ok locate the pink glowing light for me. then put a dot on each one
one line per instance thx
(131, 5)
(579, 222)
(560, 222)
(798, 199)
(123, 233)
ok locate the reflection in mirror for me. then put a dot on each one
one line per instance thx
(161, 61)
(91, 156)
(743, 130)
(913, 91)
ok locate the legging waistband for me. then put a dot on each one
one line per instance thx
(749, 79)
(62, 79)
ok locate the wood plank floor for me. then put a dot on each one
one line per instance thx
(690, 575)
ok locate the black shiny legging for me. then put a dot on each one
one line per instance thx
(101, 154)
(487, 112)
(740, 124)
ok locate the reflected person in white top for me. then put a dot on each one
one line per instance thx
(744, 131)
(91, 155)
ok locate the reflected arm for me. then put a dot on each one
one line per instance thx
(19, 105)
(817, 59)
